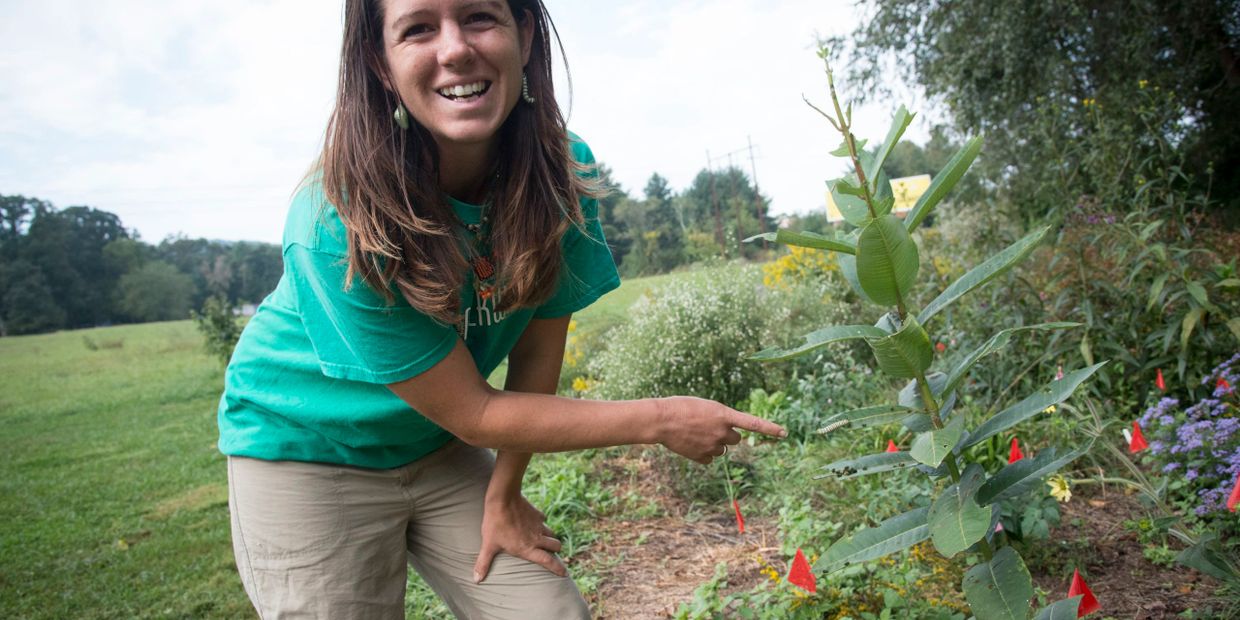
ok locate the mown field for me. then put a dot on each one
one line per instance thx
(112, 492)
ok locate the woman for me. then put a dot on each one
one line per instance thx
(452, 225)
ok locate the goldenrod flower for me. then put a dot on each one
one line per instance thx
(1061, 489)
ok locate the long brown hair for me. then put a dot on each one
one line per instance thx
(384, 181)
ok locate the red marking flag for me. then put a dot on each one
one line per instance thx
(1015, 454)
(1089, 603)
(891, 446)
(800, 575)
(940, 347)
(1158, 381)
(1222, 384)
(740, 520)
(1137, 443)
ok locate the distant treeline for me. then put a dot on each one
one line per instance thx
(80, 267)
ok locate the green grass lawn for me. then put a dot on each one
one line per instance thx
(114, 497)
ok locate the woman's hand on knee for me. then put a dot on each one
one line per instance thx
(513, 525)
(700, 429)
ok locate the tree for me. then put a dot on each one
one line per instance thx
(15, 213)
(156, 291)
(1027, 73)
(725, 204)
(26, 303)
(614, 230)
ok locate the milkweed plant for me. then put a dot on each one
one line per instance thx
(879, 258)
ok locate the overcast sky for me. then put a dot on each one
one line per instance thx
(200, 117)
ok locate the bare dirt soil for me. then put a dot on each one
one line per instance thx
(650, 566)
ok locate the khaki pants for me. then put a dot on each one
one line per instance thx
(324, 541)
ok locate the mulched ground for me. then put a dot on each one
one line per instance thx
(1128, 586)
(650, 566)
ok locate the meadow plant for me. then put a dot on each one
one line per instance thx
(1199, 445)
(880, 260)
(699, 327)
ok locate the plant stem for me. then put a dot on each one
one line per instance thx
(927, 399)
(845, 128)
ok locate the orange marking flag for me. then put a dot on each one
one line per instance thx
(1089, 603)
(1137, 443)
(801, 576)
(1015, 454)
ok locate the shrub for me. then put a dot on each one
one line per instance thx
(219, 326)
(691, 336)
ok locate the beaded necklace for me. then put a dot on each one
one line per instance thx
(484, 269)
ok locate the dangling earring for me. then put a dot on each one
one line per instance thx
(525, 89)
(401, 116)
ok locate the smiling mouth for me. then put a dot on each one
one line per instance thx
(465, 92)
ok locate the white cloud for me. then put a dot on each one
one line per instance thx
(201, 117)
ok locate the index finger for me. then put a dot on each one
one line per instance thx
(757, 425)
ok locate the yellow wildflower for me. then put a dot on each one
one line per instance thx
(1050, 409)
(1061, 489)
(1142, 84)
(580, 384)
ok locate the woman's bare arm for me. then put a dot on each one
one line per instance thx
(455, 396)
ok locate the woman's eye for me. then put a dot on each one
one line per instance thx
(477, 18)
(416, 29)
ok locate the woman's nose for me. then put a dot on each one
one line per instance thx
(454, 47)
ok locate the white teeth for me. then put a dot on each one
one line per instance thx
(463, 90)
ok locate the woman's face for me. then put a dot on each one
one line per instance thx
(456, 65)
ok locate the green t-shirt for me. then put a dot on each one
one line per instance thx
(307, 378)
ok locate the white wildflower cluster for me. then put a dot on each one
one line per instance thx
(691, 337)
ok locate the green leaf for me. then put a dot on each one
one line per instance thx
(842, 149)
(848, 267)
(870, 416)
(805, 239)
(1208, 556)
(1156, 290)
(819, 338)
(996, 342)
(1001, 588)
(1052, 393)
(868, 464)
(851, 206)
(899, 123)
(1234, 325)
(1149, 229)
(906, 353)
(1023, 475)
(956, 521)
(943, 182)
(1198, 292)
(1191, 318)
(887, 260)
(992, 268)
(931, 447)
(1228, 283)
(894, 534)
(1065, 609)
